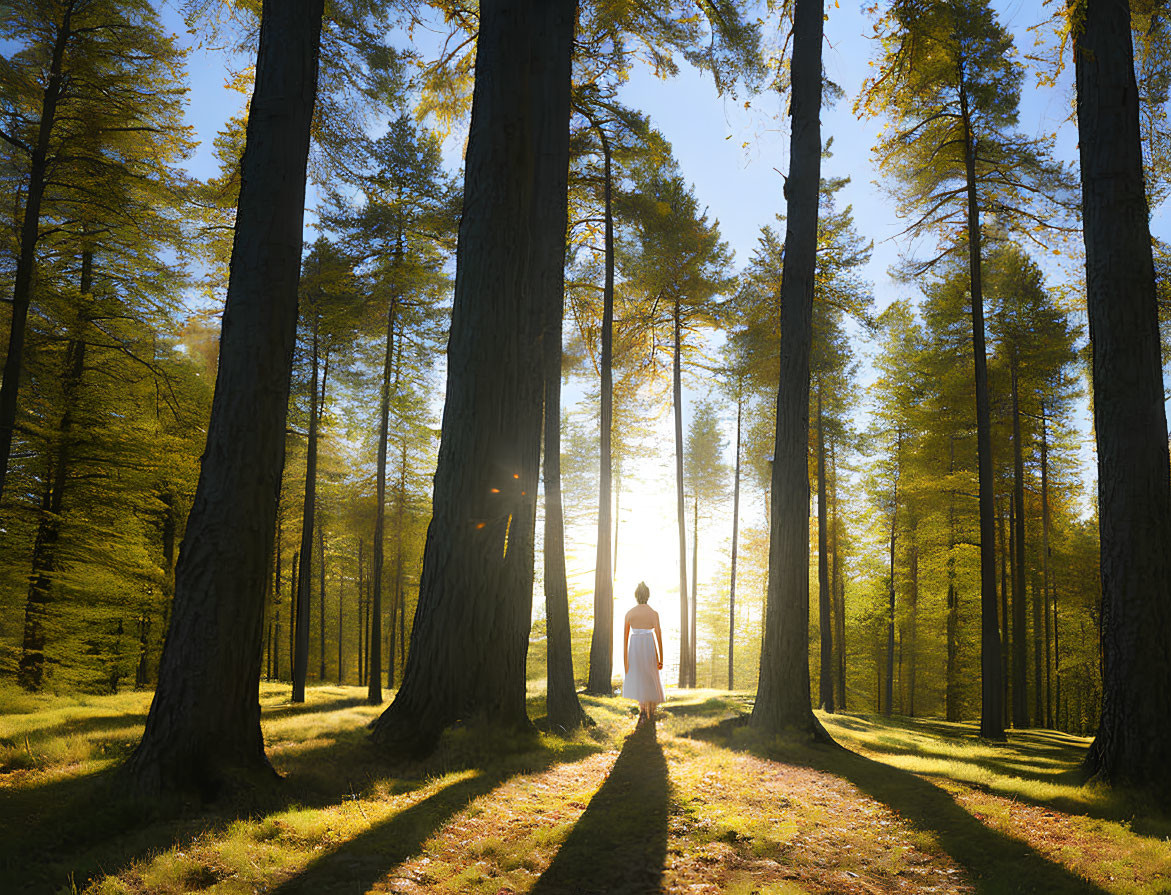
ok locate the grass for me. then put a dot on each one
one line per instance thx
(700, 804)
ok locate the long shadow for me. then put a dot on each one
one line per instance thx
(995, 863)
(370, 856)
(83, 827)
(619, 845)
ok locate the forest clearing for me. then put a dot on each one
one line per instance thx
(697, 805)
(363, 359)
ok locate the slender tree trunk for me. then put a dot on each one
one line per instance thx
(735, 541)
(308, 521)
(1005, 563)
(913, 621)
(26, 258)
(890, 612)
(374, 631)
(991, 710)
(953, 600)
(1020, 637)
(562, 705)
(839, 584)
(691, 682)
(400, 609)
(471, 630)
(361, 611)
(31, 668)
(1057, 663)
(680, 511)
(321, 594)
(1134, 494)
(783, 695)
(294, 577)
(602, 645)
(204, 721)
(825, 623)
(1045, 581)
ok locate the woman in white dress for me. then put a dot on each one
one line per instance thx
(642, 655)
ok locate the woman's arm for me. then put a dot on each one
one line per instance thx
(626, 648)
(659, 638)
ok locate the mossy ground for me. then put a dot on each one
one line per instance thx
(698, 804)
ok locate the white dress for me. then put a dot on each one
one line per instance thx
(642, 680)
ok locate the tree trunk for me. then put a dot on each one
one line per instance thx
(601, 678)
(890, 616)
(1005, 563)
(374, 630)
(294, 577)
(341, 602)
(953, 601)
(561, 703)
(1045, 581)
(694, 588)
(470, 636)
(783, 696)
(1134, 495)
(308, 517)
(680, 511)
(839, 586)
(735, 540)
(321, 595)
(826, 687)
(362, 621)
(204, 722)
(31, 668)
(30, 227)
(913, 622)
(991, 709)
(1020, 638)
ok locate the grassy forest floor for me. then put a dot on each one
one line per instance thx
(698, 804)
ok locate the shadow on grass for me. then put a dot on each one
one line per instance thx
(993, 862)
(715, 705)
(82, 827)
(619, 844)
(360, 862)
(1042, 756)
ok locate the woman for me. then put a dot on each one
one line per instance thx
(642, 655)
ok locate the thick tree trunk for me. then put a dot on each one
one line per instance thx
(680, 510)
(22, 286)
(204, 722)
(562, 705)
(308, 517)
(991, 709)
(1020, 639)
(470, 636)
(374, 629)
(824, 621)
(782, 700)
(1134, 495)
(31, 668)
(601, 677)
(735, 542)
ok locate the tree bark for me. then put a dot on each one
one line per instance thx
(1020, 640)
(680, 511)
(31, 667)
(561, 703)
(890, 617)
(694, 588)
(839, 586)
(953, 600)
(601, 677)
(308, 517)
(1134, 494)
(783, 696)
(374, 629)
(735, 540)
(991, 709)
(470, 636)
(321, 596)
(1045, 581)
(204, 722)
(825, 623)
(30, 227)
